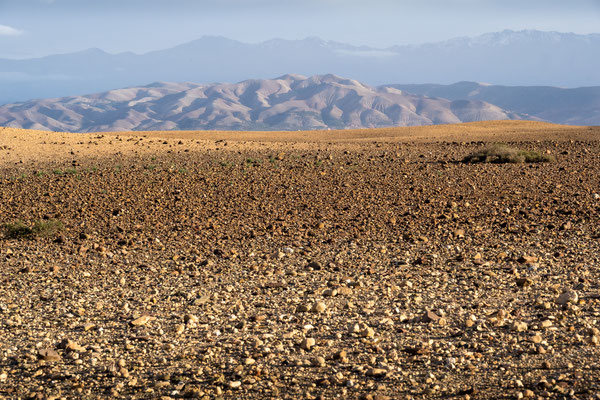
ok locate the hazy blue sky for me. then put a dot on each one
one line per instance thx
(31, 28)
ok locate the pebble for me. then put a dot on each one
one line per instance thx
(235, 384)
(319, 307)
(308, 343)
(431, 316)
(72, 346)
(519, 326)
(143, 320)
(190, 319)
(318, 362)
(88, 326)
(527, 259)
(546, 323)
(524, 282)
(567, 296)
(376, 372)
(49, 355)
(367, 332)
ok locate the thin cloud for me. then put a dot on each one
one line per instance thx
(6, 30)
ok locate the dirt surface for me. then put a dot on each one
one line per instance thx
(372, 265)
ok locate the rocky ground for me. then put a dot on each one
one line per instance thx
(363, 270)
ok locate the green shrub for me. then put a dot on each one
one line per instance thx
(42, 228)
(501, 154)
(47, 228)
(17, 230)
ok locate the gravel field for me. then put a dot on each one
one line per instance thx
(373, 268)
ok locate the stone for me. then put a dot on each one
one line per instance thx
(376, 372)
(567, 296)
(527, 259)
(70, 345)
(49, 355)
(318, 362)
(307, 344)
(524, 282)
(143, 320)
(319, 307)
(367, 332)
(88, 326)
(519, 326)
(430, 316)
(235, 384)
(546, 323)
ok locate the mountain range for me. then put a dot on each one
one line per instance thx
(503, 58)
(579, 106)
(289, 102)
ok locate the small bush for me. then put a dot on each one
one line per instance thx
(47, 228)
(500, 154)
(17, 230)
(42, 228)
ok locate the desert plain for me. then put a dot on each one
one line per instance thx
(367, 264)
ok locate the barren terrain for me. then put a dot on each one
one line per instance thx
(333, 264)
(288, 103)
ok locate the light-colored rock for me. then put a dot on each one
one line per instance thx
(376, 372)
(307, 343)
(143, 320)
(519, 326)
(568, 296)
(319, 307)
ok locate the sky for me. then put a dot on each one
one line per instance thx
(34, 28)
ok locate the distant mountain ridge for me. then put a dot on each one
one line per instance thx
(579, 106)
(289, 102)
(503, 58)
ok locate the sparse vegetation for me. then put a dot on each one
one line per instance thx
(17, 230)
(41, 228)
(253, 162)
(502, 154)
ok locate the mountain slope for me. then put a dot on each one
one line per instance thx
(579, 106)
(287, 103)
(508, 58)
